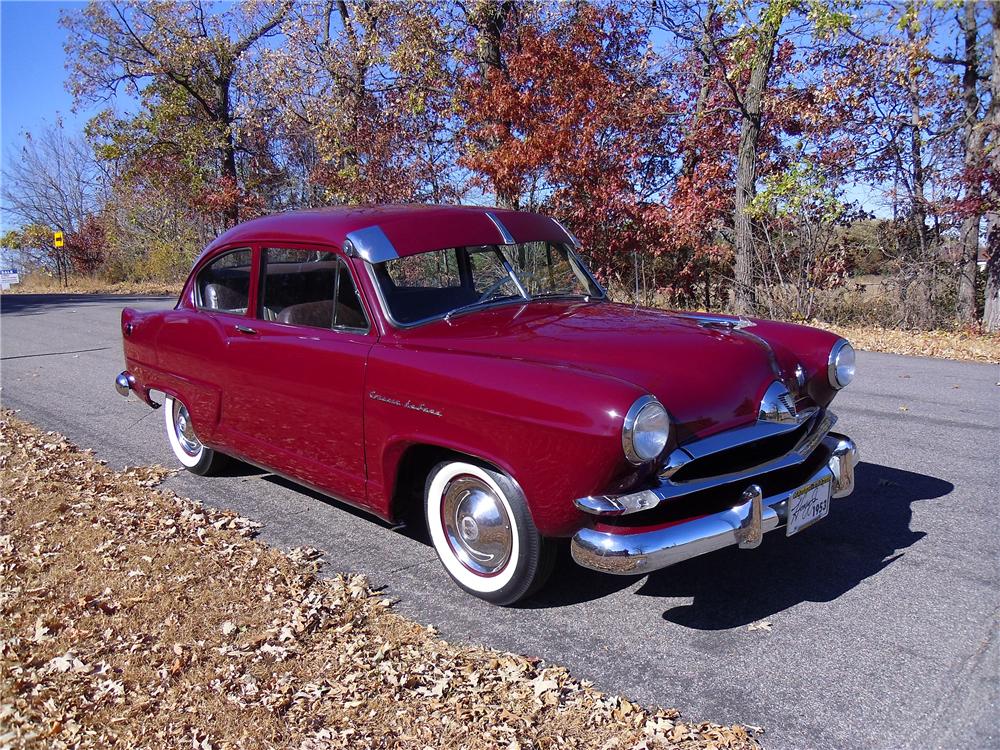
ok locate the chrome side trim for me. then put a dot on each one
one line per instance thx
(622, 553)
(667, 489)
(507, 237)
(371, 244)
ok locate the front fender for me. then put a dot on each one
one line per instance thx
(555, 430)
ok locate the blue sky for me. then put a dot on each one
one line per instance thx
(32, 73)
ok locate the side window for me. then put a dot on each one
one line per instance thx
(309, 288)
(224, 284)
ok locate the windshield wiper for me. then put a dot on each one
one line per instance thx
(482, 303)
(563, 295)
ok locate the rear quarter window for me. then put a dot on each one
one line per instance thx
(224, 284)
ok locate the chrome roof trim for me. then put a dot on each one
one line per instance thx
(507, 237)
(371, 245)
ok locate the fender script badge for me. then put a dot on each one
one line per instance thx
(405, 404)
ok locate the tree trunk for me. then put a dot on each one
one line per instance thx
(744, 296)
(972, 137)
(918, 201)
(991, 315)
(489, 20)
(228, 167)
(690, 160)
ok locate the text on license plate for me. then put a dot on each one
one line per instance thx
(809, 504)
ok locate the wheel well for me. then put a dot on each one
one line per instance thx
(411, 474)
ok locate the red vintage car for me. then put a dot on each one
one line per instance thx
(464, 359)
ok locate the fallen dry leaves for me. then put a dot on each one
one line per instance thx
(967, 347)
(131, 617)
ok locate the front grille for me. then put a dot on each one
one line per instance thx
(723, 497)
(742, 457)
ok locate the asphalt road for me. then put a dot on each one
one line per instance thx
(884, 616)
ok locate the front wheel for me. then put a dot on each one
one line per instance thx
(483, 533)
(193, 455)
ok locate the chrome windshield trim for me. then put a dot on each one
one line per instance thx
(667, 489)
(509, 268)
(507, 237)
(371, 245)
(572, 237)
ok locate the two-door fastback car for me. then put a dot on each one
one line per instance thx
(464, 359)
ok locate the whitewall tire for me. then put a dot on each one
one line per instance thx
(193, 455)
(482, 531)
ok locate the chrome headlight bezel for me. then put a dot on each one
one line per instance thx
(638, 414)
(838, 379)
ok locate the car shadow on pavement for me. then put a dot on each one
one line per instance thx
(864, 534)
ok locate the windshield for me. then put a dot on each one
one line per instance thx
(444, 282)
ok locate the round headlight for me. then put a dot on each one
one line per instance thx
(646, 430)
(841, 364)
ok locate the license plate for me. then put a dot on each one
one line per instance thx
(809, 504)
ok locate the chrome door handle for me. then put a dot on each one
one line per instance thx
(248, 331)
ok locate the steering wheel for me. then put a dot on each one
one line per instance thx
(493, 289)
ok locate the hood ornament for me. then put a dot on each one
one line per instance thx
(719, 321)
(778, 405)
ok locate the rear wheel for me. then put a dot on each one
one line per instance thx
(483, 533)
(193, 455)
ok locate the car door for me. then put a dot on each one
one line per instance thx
(301, 367)
(192, 342)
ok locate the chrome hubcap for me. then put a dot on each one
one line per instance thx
(188, 441)
(477, 525)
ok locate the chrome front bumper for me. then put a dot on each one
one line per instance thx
(623, 553)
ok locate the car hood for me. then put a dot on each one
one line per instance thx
(709, 378)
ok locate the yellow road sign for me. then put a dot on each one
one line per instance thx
(57, 239)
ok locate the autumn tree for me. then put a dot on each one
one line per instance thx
(359, 99)
(991, 312)
(53, 179)
(183, 63)
(574, 123)
(32, 246)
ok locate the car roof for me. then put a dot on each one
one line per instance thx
(410, 229)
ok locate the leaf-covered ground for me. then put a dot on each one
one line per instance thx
(958, 345)
(131, 617)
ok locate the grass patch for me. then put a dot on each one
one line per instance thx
(40, 283)
(131, 617)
